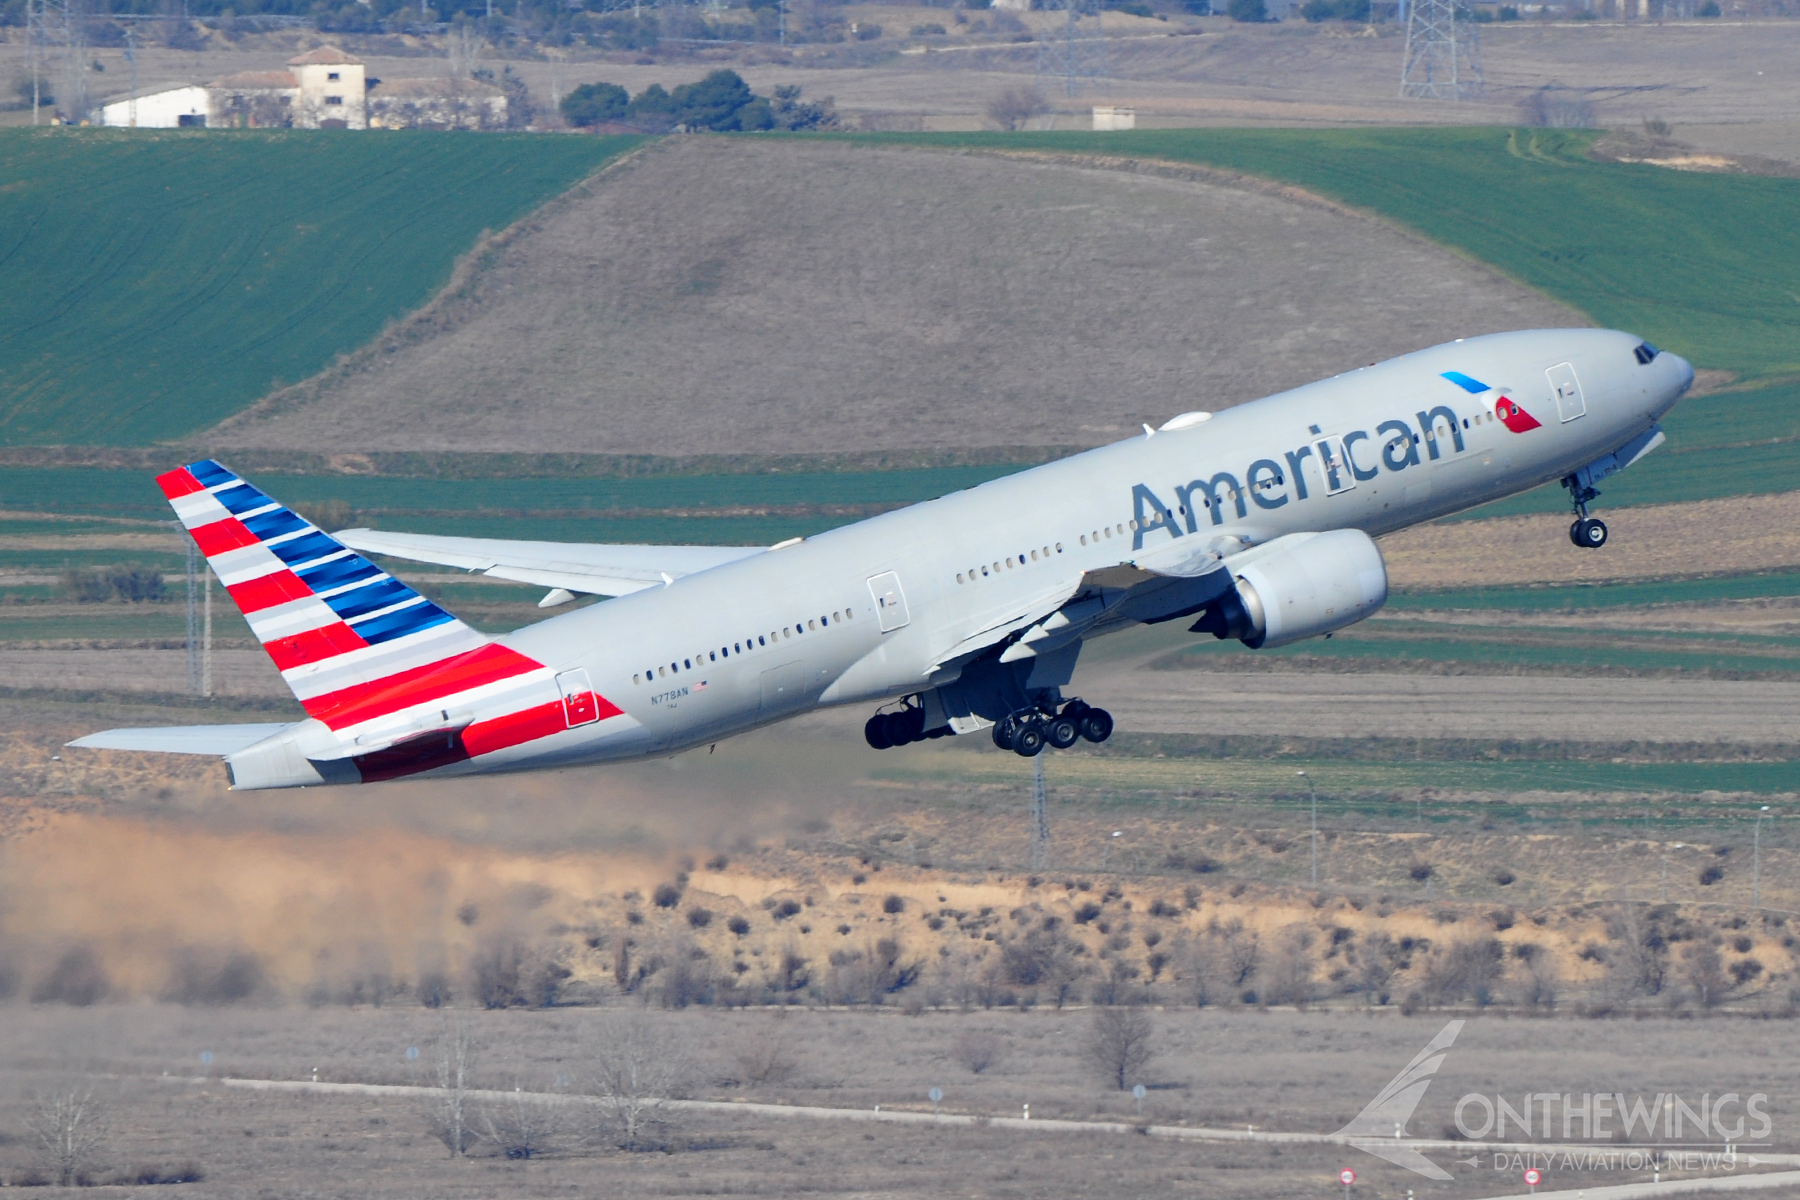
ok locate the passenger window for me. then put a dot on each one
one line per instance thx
(811, 626)
(836, 617)
(1009, 564)
(1109, 533)
(1084, 539)
(711, 657)
(787, 631)
(634, 677)
(1059, 547)
(1034, 556)
(760, 641)
(660, 673)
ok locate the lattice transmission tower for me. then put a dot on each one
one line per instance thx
(1443, 53)
(56, 43)
(1074, 54)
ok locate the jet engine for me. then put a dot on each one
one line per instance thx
(1312, 584)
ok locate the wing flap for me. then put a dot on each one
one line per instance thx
(593, 569)
(181, 739)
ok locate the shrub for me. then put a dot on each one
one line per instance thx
(977, 1049)
(699, 918)
(739, 926)
(1711, 875)
(77, 978)
(592, 103)
(1249, 11)
(666, 895)
(894, 904)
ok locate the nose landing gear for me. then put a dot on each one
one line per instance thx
(1587, 532)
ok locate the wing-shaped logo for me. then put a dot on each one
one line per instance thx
(1506, 408)
(1375, 1129)
(1514, 417)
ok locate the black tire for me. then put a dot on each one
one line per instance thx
(1593, 533)
(1075, 708)
(1096, 725)
(875, 732)
(1575, 533)
(1004, 729)
(1063, 732)
(1029, 741)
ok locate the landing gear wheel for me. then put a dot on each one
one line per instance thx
(1028, 742)
(1591, 533)
(1005, 729)
(1062, 732)
(875, 733)
(1575, 532)
(1096, 725)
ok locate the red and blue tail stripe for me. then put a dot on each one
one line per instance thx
(354, 643)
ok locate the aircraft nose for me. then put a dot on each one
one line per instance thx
(1685, 373)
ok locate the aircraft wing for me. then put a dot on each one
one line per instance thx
(1158, 585)
(584, 568)
(181, 739)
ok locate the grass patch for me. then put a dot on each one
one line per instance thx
(154, 283)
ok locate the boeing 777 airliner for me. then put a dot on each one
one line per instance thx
(958, 615)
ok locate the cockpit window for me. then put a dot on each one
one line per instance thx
(1646, 352)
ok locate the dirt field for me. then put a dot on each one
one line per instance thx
(975, 301)
(1744, 533)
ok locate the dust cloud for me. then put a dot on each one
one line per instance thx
(183, 891)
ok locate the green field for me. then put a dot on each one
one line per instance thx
(152, 284)
(1135, 779)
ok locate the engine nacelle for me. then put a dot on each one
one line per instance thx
(1315, 583)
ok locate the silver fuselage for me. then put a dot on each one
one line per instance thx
(665, 656)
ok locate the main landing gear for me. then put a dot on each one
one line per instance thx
(1029, 730)
(1587, 532)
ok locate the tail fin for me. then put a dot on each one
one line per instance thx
(353, 642)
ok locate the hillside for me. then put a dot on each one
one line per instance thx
(1707, 264)
(151, 284)
(743, 296)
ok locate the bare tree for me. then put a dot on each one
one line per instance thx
(523, 1124)
(447, 1113)
(67, 1123)
(1119, 1044)
(636, 1068)
(1015, 106)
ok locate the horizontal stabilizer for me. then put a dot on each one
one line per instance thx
(181, 739)
(587, 568)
